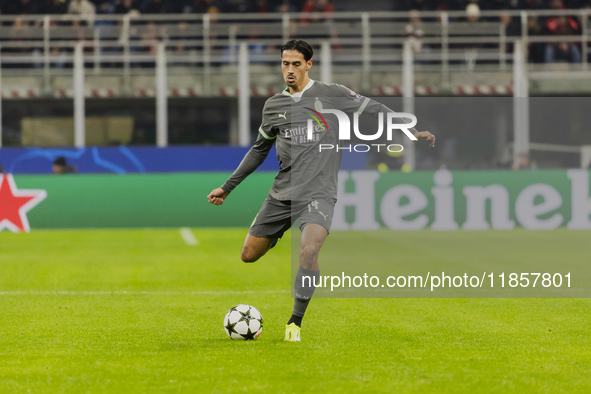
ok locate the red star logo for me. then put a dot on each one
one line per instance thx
(14, 204)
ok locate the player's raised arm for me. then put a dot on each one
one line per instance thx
(252, 160)
(364, 105)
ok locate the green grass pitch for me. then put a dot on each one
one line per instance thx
(142, 311)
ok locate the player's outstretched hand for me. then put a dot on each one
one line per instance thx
(425, 135)
(217, 196)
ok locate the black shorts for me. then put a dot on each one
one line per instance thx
(276, 217)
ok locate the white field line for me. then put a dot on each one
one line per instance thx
(133, 293)
(188, 236)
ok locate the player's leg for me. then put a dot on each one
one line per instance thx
(268, 226)
(312, 239)
(316, 220)
(255, 247)
(313, 236)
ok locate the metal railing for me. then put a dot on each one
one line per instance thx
(367, 41)
(47, 46)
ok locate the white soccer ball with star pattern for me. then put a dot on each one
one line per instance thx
(243, 322)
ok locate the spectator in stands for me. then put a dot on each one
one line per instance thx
(84, 8)
(415, 31)
(496, 5)
(150, 35)
(158, 7)
(61, 166)
(535, 49)
(531, 5)
(19, 34)
(419, 5)
(21, 7)
(576, 4)
(236, 6)
(562, 26)
(286, 6)
(512, 29)
(104, 6)
(123, 7)
(471, 51)
(261, 6)
(534, 23)
(512, 25)
(19, 29)
(56, 7)
(202, 7)
(472, 12)
(318, 6)
(522, 163)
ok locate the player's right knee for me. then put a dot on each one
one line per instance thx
(309, 254)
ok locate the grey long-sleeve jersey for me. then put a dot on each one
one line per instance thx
(305, 172)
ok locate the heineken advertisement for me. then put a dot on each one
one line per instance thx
(441, 200)
(468, 200)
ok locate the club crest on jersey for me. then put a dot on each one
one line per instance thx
(315, 115)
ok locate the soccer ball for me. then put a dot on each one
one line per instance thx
(243, 322)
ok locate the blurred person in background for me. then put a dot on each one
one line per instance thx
(473, 12)
(286, 6)
(522, 163)
(325, 25)
(123, 7)
(236, 6)
(261, 6)
(512, 28)
(317, 6)
(577, 4)
(498, 4)
(61, 166)
(419, 5)
(84, 8)
(562, 26)
(535, 49)
(471, 51)
(105, 7)
(324, 6)
(20, 34)
(415, 31)
(158, 7)
(56, 7)
(201, 7)
(531, 5)
(20, 7)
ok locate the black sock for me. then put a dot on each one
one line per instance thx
(295, 319)
(303, 291)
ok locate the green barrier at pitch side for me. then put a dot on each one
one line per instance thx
(441, 200)
(150, 200)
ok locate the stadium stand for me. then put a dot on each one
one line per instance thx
(460, 48)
